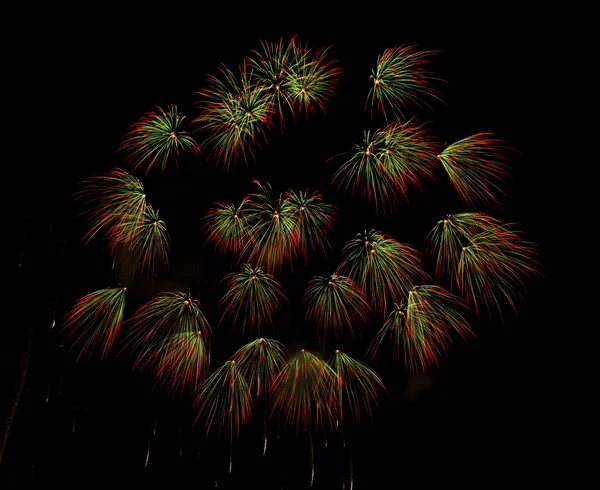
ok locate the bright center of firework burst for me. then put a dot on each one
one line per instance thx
(302, 350)
(376, 81)
(330, 283)
(186, 303)
(173, 134)
(445, 221)
(337, 351)
(464, 248)
(372, 250)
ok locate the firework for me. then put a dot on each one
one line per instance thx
(94, 321)
(252, 298)
(305, 392)
(228, 227)
(387, 163)
(114, 198)
(449, 235)
(401, 78)
(423, 328)
(148, 239)
(156, 139)
(260, 362)
(272, 65)
(224, 400)
(336, 305)
(382, 267)
(493, 267)
(235, 113)
(162, 338)
(275, 229)
(315, 219)
(357, 388)
(312, 78)
(477, 166)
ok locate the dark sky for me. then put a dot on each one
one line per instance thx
(101, 77)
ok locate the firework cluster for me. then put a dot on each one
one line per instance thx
(481, 262)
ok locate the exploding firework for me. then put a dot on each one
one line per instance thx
(148, 239)
(449, 235)
(477, 167)
(275, 229)
(252, 298)
(387, 164)
(358, 386)
(315, 219)
(227, 227)
(235, 113)
(114, 198)
(224, 400)
(94, 321)
(305, 392)
(335, 305)
(165, 335)
(421, 330)
(401, 78)
(157, 139)
(382, 267)
(260, 361)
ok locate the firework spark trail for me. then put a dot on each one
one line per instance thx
(235, 112)
(387, 163)
(252, 298)
(94, 321)
(275, 229)
(401, 78)
(477, 167)
(422, 329)
(382, 267)
(227, 227)
(156, 139)
(335, 305)
(171, 336)
(112, 198)
(357, 388)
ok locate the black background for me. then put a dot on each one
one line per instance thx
(479, 422)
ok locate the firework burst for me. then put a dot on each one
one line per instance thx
(493, 268)
(165, 335)
(449, 235)
(224, 400)
(382, 267)
(401, 78)
(156, 139)
(315, 219)
(252, 298)
(387, 163)
(477, 167)
(148, 239)
(94, 321)
(114, 198)
(260, 361)
(275, 229)
(305, 392)
(358, 386)
(335, 305)
(235, 113)
(422, 329)
(228, 227)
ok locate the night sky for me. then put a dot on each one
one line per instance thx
(475, 419)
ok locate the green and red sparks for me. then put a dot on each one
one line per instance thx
(477, 167)
(157, 139)
(336, 305)
(94, 321)
(422, 328)
(382, 267)
(252, 298)
(401, 78)
(387, 164)
(171, 336)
